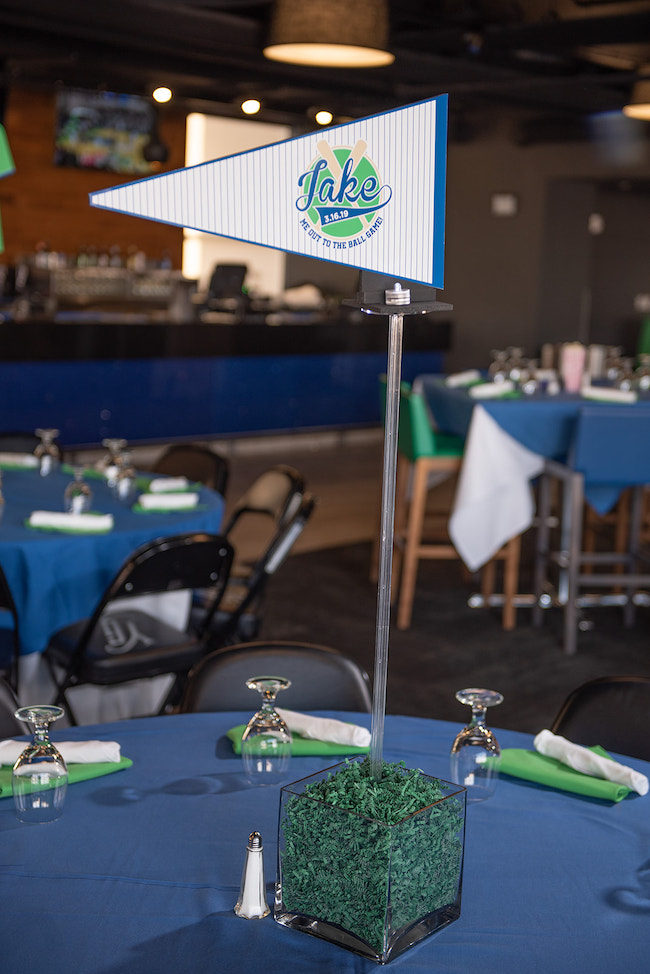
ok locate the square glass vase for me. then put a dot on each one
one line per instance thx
(373, 888)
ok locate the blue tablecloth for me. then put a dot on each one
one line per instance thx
(542, 423)
(57, 578)
(141, 873)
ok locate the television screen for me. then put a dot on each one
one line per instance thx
(103, 130)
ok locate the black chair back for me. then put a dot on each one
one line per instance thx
(9, 638)
(18, 442)
(9, 725)
(195, 462)
(611, 711)
(322, 678)
(184, 561)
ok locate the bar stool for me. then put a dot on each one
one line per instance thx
(609, 451)
(423, 454)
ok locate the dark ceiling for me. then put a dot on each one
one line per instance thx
(552, 62)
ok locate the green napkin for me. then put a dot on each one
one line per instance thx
(550, 772)
(300, 746)
(76, 772)
(138, 509)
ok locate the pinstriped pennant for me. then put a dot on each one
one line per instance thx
(368, 194)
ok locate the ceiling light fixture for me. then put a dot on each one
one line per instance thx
(162, 94)
(335, 34)
(251, 106)
(639, 106)
(323, 117)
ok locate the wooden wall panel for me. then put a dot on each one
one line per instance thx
(44, 202)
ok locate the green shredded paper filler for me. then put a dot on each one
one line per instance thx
(352, 841)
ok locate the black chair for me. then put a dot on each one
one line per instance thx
(256, 524)
(271, 499)
(127, 644)
(9, 725)
(18, 441)
(322, 678)
(239, 615)
(611, 711)
(195, 462)
(9, 637)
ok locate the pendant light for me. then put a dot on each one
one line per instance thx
(330, 33)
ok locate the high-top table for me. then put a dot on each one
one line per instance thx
(141, 873)
(57, 578)
(508, 441)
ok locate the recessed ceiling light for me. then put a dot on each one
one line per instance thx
(251, 106)
(162, 94)
(323, 117)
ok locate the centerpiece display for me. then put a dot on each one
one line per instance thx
(374, 865)
(370, 853)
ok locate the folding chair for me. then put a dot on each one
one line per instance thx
(239, 614)
(127, 644)
(9, 725)
(611, 711)
(196, 462)
(9, 636)
(322, 678)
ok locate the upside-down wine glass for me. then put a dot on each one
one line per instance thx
(475, 753)
(124, 486)
(77, 497)
(47, 452)
(266, 741)
(40, 777)
(111, 463)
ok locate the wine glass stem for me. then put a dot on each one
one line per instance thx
(41, 730)
(478, 714)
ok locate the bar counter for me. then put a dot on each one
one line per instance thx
(163, 380)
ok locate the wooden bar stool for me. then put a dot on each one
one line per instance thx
(424, 452)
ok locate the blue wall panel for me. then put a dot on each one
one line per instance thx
(168, 398)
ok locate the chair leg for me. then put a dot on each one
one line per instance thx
(632, 543)
(488, 580)
(510, 582)
(575, 507)
(413, 540)
(404, 469)
(541, 545)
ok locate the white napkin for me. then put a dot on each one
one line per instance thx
(325, 729)
(72, 752)
(582, 759)
(19, 459)
(167, 485)
(463, 378)
(71, 522)
(491, 390)
(168, 502)
(605, 394)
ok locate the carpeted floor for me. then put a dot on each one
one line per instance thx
(326, 597)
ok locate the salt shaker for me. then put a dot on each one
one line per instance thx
(252, 897)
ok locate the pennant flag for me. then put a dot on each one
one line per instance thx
(368, 194)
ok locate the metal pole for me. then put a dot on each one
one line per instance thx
(393, 375)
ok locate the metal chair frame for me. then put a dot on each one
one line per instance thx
(571, 558)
